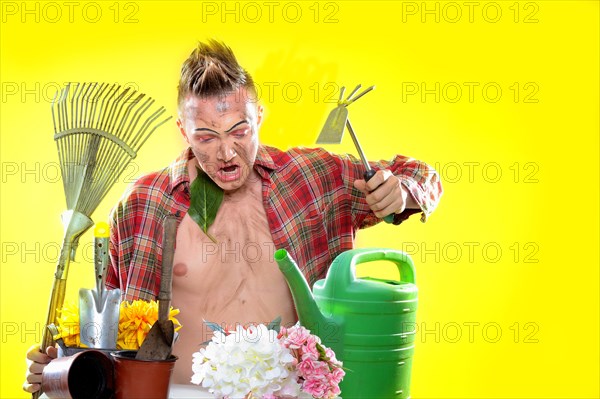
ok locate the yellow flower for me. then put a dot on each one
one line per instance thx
(68, 325)
(136, 319)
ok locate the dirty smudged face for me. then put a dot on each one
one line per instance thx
(223, 134)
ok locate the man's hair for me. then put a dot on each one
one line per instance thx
(212, 70)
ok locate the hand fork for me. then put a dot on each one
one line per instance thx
(333, 130)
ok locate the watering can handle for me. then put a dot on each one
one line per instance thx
(404, 263)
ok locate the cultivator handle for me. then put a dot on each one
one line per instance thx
(368, 175)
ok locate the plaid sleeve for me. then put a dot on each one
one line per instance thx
(135, 232)
(421, 181)
(350, 169)
(131, 270)
(113, 279)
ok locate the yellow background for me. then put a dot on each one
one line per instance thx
(540, 294)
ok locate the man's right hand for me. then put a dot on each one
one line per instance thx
(36, 361)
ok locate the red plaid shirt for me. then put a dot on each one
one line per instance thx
(311, 205)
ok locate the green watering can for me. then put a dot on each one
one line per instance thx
(368, 322)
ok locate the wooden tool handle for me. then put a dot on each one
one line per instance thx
(166, 279)
(57, 297)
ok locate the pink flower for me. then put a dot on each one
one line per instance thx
(310, 347)
(296, 337)
(282, 332)
(333, 391)
(336, 376)
(309, 367)
(316, 386)
(330, 355)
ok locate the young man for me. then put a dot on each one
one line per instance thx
(308, 201)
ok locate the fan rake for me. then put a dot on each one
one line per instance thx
(99, 128)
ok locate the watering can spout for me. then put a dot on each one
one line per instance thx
(308, 311)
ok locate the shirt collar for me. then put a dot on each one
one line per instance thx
(263, 164)
(264, 159)
(179, 170)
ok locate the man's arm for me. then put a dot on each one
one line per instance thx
(385, 194)
(112, 278)
(136, 235)
(403, 187)
(133, 248)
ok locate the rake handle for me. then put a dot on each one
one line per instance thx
(75, 223)
(57, 298)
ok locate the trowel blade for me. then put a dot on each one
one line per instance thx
(333, 130)
(99, 318)
(158, 343)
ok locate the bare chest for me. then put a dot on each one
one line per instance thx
(243, 242)
(235, 279)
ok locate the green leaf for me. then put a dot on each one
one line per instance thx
(275, 325)
(206, 198)
(323, 355)
(214, 326)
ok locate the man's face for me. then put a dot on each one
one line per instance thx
(223, 134)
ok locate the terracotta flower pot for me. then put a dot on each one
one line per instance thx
(141, 379)
(85, 375)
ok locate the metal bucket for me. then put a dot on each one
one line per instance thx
(85, 375)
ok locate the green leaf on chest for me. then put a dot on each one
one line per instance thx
(205, 200)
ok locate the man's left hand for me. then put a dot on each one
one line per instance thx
(385, 194)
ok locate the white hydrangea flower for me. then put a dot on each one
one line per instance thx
(245, 361)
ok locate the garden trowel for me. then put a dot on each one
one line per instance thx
(159, 342)
(335, 125)
(99, 308)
